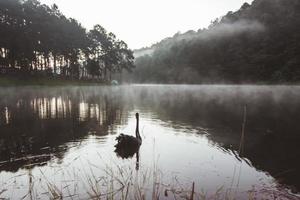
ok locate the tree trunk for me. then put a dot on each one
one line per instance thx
(54, 65)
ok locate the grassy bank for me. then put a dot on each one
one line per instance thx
(9, 81)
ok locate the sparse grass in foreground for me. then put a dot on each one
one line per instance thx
(123, 183)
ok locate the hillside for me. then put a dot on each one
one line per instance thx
(259, 43)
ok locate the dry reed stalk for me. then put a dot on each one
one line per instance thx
(241, 147)
(193, 190)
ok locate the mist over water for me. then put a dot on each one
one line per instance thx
(191, 133)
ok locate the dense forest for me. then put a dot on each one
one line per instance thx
(259, 43)
(37, 40)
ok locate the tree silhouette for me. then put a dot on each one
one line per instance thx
(39, 40)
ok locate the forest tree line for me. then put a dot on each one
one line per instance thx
(259, 43)
(36, 39)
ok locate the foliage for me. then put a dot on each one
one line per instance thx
(258, 43)
(36, 38)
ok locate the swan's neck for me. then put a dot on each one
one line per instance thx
(137, 132)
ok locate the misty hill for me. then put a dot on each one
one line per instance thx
(143, 51)
(258, 43)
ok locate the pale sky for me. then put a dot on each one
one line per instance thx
(141, 23)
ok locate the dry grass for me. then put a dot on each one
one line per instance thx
(129, 184)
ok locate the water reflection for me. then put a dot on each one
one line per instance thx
(272, 129)
(41, 124)
(36, 126)
(127, 152)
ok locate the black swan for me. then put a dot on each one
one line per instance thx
(128, 145)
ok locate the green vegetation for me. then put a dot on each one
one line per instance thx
(257, 43)
(39, 41)
(43, 81)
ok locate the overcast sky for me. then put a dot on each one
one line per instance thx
(141, 23)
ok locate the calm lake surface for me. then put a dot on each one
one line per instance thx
(64, 137)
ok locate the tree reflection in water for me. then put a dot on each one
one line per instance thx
(37, 124)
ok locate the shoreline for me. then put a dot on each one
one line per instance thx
(9, 81)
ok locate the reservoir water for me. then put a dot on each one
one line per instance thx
(235, 142)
